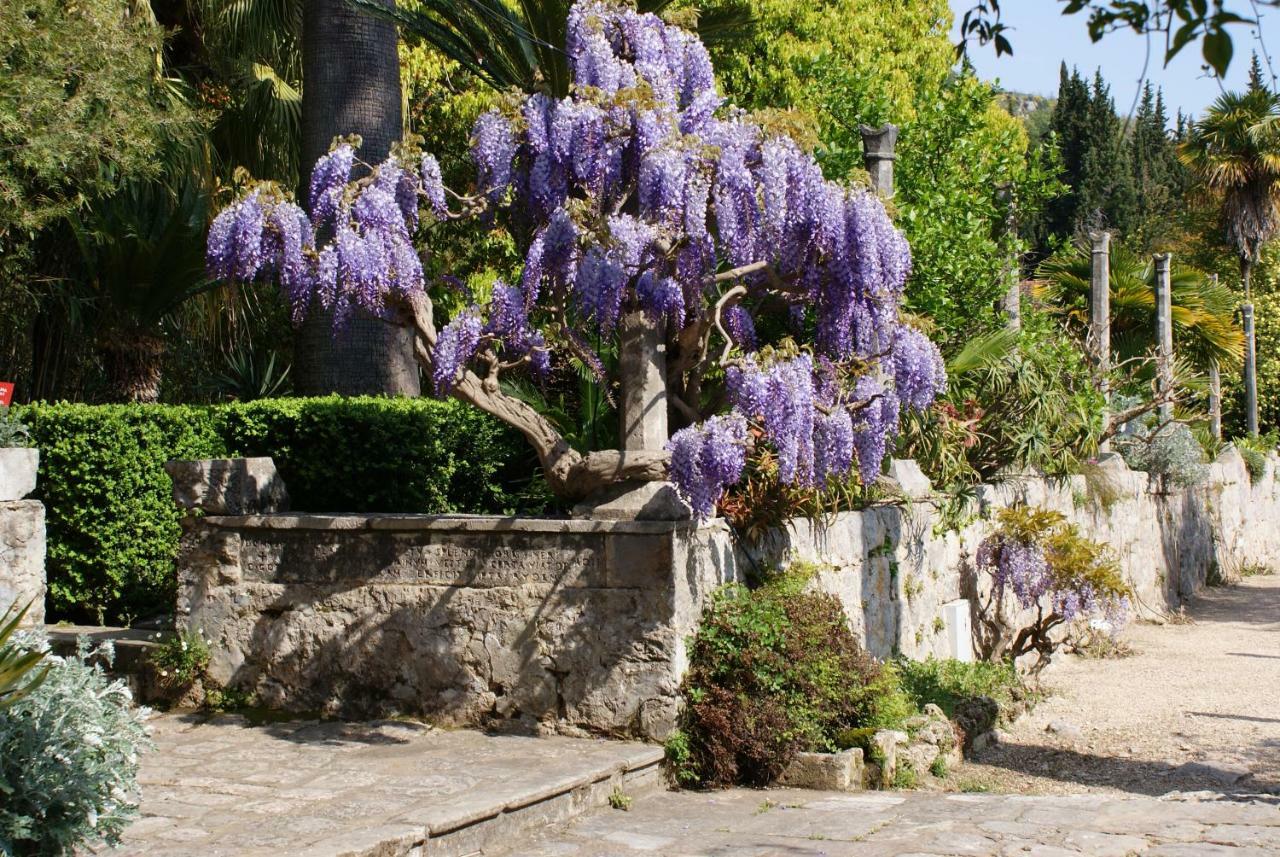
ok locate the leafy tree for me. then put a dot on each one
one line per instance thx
(67, 138)
(1160, 180)
(1234, 152)
(825, 68)
(1096, 166)
(641, 215)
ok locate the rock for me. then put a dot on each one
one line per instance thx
(1065, 730)
(884, 753)
(228, 486)
(840, 772)
(919, 755)
(18, 467)
(976, 716)
(909, 478)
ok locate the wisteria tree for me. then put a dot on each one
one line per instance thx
(652, 215)
(1044, 575)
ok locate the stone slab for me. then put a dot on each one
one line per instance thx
(18, 469)
(840, 772)
(228, 486)
(325, 789)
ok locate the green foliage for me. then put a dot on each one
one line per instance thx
(70, 137)
(182, 658)
(774, 671)
(618, 799)
(113, 527)
(13, 431)
(1014, 401)
(947, 683)
(939, 767)
(905, 776)
(111, 521)
(18, 674)
(69, 759)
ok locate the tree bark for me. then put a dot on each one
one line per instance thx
(351, 85)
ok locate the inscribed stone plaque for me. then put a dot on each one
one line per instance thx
(433, 559)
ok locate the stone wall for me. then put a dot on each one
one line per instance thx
(582, 625)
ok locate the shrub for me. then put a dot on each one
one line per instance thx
(69, 759)
(773, 672)
(1044, 574)
(112, 525)
(182, 658)
(13, 431)
(948, 683)
(385, 455)
(1254, 452)
(1170, 451)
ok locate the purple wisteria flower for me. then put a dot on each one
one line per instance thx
(638, 191)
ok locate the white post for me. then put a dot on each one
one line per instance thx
(1164, 332)
(1100, 313)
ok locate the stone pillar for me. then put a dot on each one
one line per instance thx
(1215, 401)
(642, 362)
(22, 535)
(1164, 331)
(878, 149)
(642, 365)
(1011, 304)
(1250, 368)
(1100, 314)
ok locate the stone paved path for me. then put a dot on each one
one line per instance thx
(391, 788)
(787, 823)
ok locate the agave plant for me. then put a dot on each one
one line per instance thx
(1204, 328)
(18, 666)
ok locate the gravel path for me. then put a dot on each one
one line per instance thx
(1197, 706)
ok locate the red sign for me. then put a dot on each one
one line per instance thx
(6, 393)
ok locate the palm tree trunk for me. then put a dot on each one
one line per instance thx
(1250, 351)
(132, 362)
(351, 85)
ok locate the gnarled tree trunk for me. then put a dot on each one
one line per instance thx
(351, 85)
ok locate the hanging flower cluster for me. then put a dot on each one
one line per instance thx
(640, 191)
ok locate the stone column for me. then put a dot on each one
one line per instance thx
(1215, 401)
(642, 365)
(1250, 368)
(1100, 313)
(1164, 331)
(1215, 392)
(22, 535)
(878, 149)
(1012, 301)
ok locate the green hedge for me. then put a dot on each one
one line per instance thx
(113, 529)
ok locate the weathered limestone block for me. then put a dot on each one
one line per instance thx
(841, 772)
(18, 467)
(909, 478)
(22, 551)
(228, 486)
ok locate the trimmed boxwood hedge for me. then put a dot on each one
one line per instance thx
(113, 529)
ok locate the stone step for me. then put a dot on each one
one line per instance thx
(132, 646)
(221, 786)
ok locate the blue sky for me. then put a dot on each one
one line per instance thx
(1042, 38)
